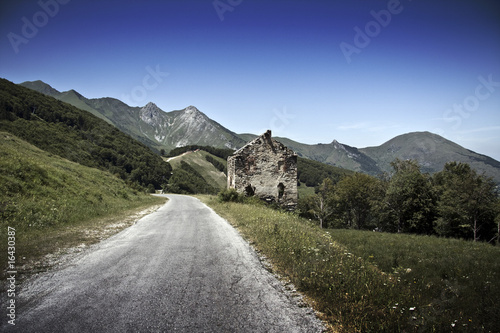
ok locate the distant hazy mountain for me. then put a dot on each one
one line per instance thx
(336, 154)
(167, 130)
(150, 124)
(432, 152)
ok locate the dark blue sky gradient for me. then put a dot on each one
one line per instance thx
(278, 64)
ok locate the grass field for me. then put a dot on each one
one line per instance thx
(377, 282)
(53, 203)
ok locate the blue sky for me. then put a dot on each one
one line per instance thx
(357, 71)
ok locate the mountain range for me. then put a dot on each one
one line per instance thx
(149, 124)
(167, 130)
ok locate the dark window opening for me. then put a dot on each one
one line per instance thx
(249, 190)
(281, 190)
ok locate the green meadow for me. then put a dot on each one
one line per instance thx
(362, 281)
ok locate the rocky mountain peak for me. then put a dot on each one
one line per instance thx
(150, 113)
(151, 105)
(337, 145)
(192, 110)
(192, 114)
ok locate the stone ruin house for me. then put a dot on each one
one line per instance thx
(265, 168)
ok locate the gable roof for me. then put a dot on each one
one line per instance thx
(263, 137)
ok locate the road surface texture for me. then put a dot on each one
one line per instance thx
(180, 269)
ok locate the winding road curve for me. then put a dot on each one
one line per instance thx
(180, 269)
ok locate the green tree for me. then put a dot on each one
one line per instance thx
(497, 221)
(409, 199)
(322, 202)
(354, 197)
(151, 188)
(468, 203)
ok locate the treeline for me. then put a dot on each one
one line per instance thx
(78, 136)
(186, 180)
(216, 163)
(311, 173)
(223, 153)
(455, 202)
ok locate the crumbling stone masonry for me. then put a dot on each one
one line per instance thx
(265, 168)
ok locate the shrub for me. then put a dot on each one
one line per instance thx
(151, 189)
(229, 195)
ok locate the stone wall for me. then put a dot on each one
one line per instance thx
(265, 168)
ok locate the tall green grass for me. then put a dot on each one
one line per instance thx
(454, 282)
(376, 282)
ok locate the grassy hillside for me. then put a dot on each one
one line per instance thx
(47, 199)
(77, 135)
(206, 169)
(376, 282)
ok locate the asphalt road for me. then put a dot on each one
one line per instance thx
(180, 269)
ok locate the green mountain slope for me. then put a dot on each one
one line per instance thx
(71, 97)
(247, 137)
(432, 152)
(64, 130)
